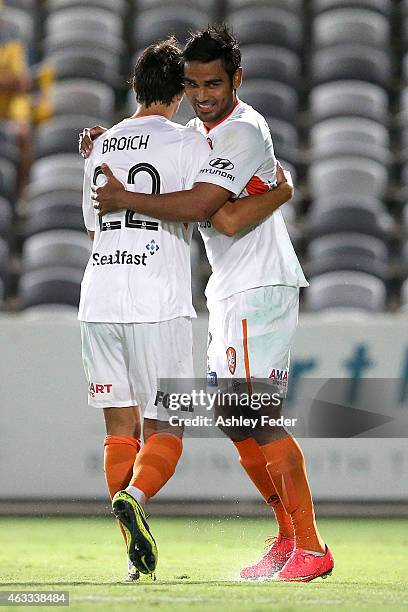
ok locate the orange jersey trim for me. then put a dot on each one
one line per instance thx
(256, 185)
(246, 356)
(221, 120)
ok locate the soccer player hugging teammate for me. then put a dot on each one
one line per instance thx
(136, 306)
(253, 292)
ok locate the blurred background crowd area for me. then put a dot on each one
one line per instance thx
(330, 76)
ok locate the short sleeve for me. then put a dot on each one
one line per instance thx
(88, 210)
(238, 152)
(196, 152)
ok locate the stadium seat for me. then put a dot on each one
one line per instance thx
(58, 285)
(84, 19)
(350, 136)
(2, 293)
(55, 173)
(403, 192)
(285, 139)
(404, 295)
(24, 5)
(20, 23)
(350, 289)
(289, 5)
(209, 7)
(4, 259)
(8, 143)
(381, 6)
(155, 24)
(348, 251)
(56, 248)
(352, 61)
(265, 26)
(86, 63)
(348, 175)
(8, 179)
(59, 41)
(6, 218)
(60, 135)
(90, 96)
(69, 164)
(270, 98)
(118, 6)
(349, 98)
(343, 26)
(344, 213)
(269, 62)
(53, 211)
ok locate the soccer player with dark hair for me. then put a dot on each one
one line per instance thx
(253, 292)
(136, 307)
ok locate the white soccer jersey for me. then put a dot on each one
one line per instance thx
(139, 269)
(242, 160)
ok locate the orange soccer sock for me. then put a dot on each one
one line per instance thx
(253, 461)
(119, 457)
(156, 463)
(286, 466)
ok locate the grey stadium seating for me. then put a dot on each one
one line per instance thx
(24, 5)
(19, 23)
(270, 98)
(382, 6)
(56, 248)
(285, 139)
(59, 41)
(404, 295)
(290, 5)
(6, 217)
(348, 175)
(55, 173)
(4, 256)
(348, 251)
(7, 179)
(209, 7)
(60, 135)
(155, 24)
(59, 285)
(352, 61)
(344, 213)
(351, 290)
(265, 26)
(90, 96)
(342, 26)
(86, 63)
(118, 6)
(8, 143)
(356, 136)
(84, 19)
(55, 210)
(69, 164)
(349, 98)
(270, 62)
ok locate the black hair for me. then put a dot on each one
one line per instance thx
(215, 42)
(158, 74)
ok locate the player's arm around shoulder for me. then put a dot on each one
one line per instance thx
(237, 215)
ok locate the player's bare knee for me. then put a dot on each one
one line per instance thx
(123, 421)
(154, 426)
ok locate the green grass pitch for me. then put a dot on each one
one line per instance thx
(199, 561)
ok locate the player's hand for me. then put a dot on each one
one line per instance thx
(86, 138)
(107, 198)
(284, 177)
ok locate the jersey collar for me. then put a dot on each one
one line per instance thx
(207, 130)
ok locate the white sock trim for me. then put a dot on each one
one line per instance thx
(137, 494)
